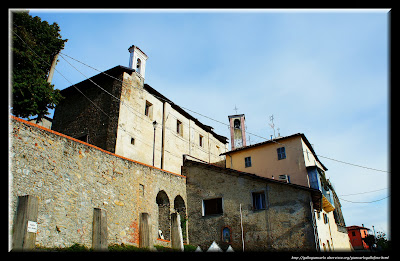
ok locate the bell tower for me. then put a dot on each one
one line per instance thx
(137, 60)
(237, 129)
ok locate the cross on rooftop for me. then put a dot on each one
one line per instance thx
(236, 109)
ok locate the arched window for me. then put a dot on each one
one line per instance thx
(138, 65)
(236, 124)
(179, 204)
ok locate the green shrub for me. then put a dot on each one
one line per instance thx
(189, 248)
(123, 247)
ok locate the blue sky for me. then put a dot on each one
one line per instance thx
(323, 73)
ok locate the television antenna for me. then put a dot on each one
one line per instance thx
(272, 125)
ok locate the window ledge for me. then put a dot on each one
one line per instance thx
(213, 215)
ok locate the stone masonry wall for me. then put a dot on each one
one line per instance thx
(71, 178)
(285, 224)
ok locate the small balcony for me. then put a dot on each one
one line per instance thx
(327, 205)
(327, 200)
(318, 181)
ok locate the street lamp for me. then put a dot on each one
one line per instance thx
(154, 141)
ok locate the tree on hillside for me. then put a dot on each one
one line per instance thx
(35, 43)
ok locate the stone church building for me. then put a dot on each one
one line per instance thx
(119, 145)
(116, 111)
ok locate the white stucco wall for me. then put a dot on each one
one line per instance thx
(133, 123)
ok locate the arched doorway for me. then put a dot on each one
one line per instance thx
(180, 208)
(164, 217)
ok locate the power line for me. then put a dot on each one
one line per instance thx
(129, 107)
(340, 161)
(364, 202)
(363, 192)
(121, 127)
(205, 116)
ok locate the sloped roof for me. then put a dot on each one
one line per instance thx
(184, 113)
(356, 228)
(117, 70)
(278, 140)
(315, 193)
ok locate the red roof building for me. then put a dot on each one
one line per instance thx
(356, 235)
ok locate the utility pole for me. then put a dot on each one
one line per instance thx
(49, 79)
(52, 68)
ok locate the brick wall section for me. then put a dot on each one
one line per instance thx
(71, 178)
(286, 223)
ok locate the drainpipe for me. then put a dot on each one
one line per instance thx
(163, 136)
(190, 134)
(241, 224)
(209, 152)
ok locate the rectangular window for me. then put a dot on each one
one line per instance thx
(247, 162)
(200, 140)
(353, 233)
(258, 200)
(212, 206)
(313, 177)
(325, 218)
(179, 129)
(281, 153)
(133, 141)
(148, 109)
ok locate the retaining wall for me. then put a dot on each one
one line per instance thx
(71, 177)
